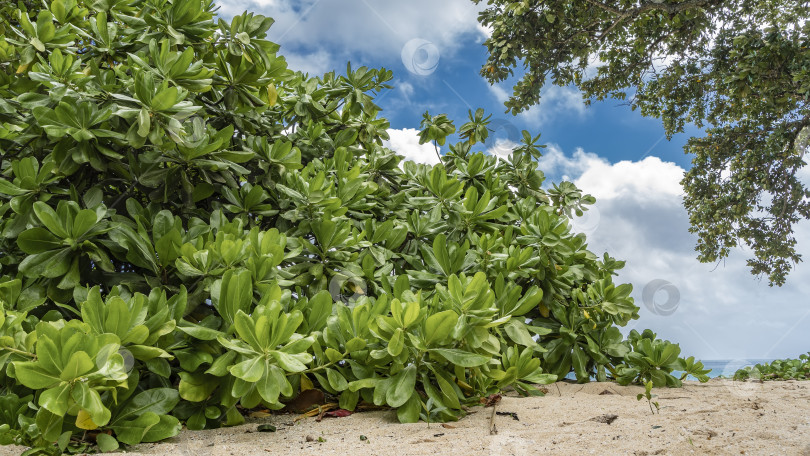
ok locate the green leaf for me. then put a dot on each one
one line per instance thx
(198, 332)
(168, 426)
(245, 328)
(132, 431)
(269, 387)
(33, 376)
(517, 331)
(49, 424)
(250, 370)
(288, 362)
(106, 443)
(50, 219)
(78, 365)
(439, 326)
(580, 361)
(196, 387)
(89, 400)
(409, 412)
(397, 342)
(336, 380)
(236, 293)
(159, 401)
(461, 357)
(38, 240)
(56, 399)
(363, 383)
(402, 387)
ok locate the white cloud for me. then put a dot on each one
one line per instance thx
(499, 93)
(486, 31)
(365, 27)
(648, 179)
(554, 162)
(405, 142)
(406, 88)
(723, 312)
(502, 148)
(555, 101)
(316, 63)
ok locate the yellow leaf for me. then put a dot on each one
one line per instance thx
(306, 383)
(272, 95)
(83, 421)
(544, 310)
(355, 288)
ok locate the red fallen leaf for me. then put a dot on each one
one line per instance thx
(339, 413)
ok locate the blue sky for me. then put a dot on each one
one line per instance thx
(435, 50)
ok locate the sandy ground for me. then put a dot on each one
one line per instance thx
(716, 418)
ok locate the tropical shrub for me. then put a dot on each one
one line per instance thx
(779, 369)
(653, 361)
(189, 230)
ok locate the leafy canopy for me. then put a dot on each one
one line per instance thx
(189, 230)
(737, 68)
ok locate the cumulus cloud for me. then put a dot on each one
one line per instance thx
(722, 312)
(372, 28)
(555, 101)
(405, 142)
(315, 63)
(554, 163)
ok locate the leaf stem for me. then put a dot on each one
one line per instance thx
(19, 352)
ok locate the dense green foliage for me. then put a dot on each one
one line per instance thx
(780, 369)
(736, 67)
(190, 230)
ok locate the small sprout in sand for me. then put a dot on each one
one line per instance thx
(430, 412)
(647, 388)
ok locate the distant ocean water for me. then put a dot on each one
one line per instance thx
(727, 367)
(719, 367)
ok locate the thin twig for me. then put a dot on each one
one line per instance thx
(492, 429)
(436, 148)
